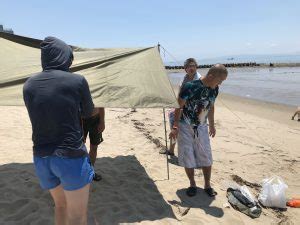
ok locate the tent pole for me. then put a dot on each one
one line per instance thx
(166, 143)
(168, 173)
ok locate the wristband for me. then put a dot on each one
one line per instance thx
(175, 127)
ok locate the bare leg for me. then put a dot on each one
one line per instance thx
(93, 156)
(172, 147)
(58, 196)
(190, 173)
(207, 174)
(77, 202)
(93, 153)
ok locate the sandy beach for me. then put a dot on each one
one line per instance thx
(254, 140)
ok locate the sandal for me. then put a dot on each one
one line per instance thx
(97, 177)
(210, 191)
(170, 153)
(167, 152)
(191, 191)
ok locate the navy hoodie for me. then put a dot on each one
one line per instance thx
(56, 99)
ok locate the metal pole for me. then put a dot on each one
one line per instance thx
(166, 140)
(166, 143)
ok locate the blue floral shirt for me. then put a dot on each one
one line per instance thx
(199, 100)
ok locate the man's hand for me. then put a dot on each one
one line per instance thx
(101, 127)
(173, 134)
(212, 130)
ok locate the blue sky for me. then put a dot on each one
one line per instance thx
(199, 29)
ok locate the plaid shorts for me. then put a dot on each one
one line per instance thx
(194, 150)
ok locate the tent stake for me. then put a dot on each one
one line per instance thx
(166, 143)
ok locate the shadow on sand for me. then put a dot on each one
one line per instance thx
(126, 194)
(201, 201)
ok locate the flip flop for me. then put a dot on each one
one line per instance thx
(97, 177)
(167, 152)
(191, 191)
(170, 153)
(210, 191)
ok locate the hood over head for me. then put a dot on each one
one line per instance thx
(56, 54)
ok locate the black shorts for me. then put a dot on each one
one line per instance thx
(90, 126)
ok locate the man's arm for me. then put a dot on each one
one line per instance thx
(101, 126)
(297, 112)
(211, 121)
(293, 117)
(174, 131)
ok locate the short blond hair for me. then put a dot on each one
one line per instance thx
(218, 69)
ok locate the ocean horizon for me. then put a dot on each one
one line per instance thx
(264, 58)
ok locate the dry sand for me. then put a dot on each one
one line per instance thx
(254, 140)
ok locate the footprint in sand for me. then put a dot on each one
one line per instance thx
(18, 210)
(8, 207)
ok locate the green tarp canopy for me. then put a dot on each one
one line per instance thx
(118, 77)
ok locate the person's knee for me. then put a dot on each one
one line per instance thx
(58, 197)
(190, 170)
(77, 204)
(93, 148)
(60, 203)
(77, 215)
(77, 209)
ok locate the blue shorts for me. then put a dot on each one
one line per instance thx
(72, 174)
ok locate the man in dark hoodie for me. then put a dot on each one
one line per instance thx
(56, 99)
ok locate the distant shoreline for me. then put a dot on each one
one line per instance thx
(280, 65)
(261, 65)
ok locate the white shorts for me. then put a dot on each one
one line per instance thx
(193, 151)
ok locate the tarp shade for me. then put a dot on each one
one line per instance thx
(118, 77)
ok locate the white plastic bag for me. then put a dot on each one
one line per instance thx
(273, 192)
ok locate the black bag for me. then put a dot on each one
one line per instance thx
(239, 202)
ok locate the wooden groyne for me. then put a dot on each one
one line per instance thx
(248, 64)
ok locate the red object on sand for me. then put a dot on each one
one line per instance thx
(294, 203)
